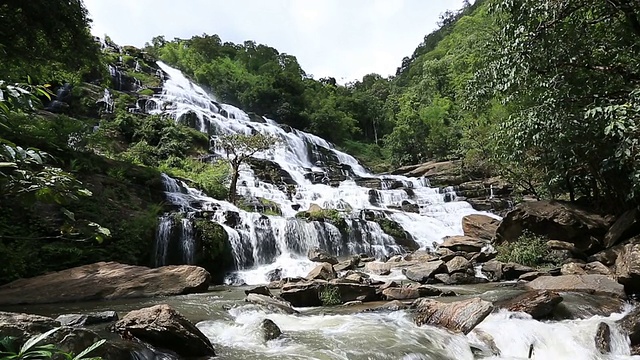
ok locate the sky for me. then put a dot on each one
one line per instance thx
(345, 39)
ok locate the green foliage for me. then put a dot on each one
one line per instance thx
(529, 250)
(210, 177)
(146, 92)
(330, 296)
(31, 350)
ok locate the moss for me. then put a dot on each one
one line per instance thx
(331, 216)
(215, 251)
(146, 92)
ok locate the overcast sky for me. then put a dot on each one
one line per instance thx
(345, 39)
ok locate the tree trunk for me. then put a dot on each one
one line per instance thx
(235, 173)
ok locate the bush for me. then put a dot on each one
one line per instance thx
(208, 177)
(529, 250)
(330, 296)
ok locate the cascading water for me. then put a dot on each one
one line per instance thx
(312, 172)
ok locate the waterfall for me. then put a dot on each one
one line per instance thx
(311, 171)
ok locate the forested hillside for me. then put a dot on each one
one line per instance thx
(544, 93)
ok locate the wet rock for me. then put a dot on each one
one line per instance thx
(269, 330)
(457, 264)
(592, 284)
(567, 247)
(271, 304)
(490, 348)
(410, 207)
(260, 290)
(24, 326)
(626, 226)
(394, 305)
(403, 293)
(274, 275)
(423, 272)
(572, 269)
(321, 256)
(556, 220)
(463, 243)
(106, 280)
(492, 270)
(581, 305)
(309, 294)
(532, 275)
(346, 265)
(538, 304)
(164, 327)
(628, 266)
(323, 271)
(479, 226)
(460, 316)
(87, 319)
(512, 271)
(603, 338)
(630, 326)
(483, 256)
(356, 277)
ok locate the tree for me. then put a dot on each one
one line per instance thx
(238, 149)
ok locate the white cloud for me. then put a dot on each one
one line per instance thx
(343, 39)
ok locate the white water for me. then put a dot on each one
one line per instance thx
(262, 243)
(394, 336)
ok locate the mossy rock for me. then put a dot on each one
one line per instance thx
(213, 248)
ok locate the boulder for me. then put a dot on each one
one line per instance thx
(379, 268)
(260, 290)
(596, 267)
(457, 264)
(105, 281)
(573, 269)
(555, 220)
(271, 304)
(627, 266)
(274, 275)
(269, 330)
(603, 338)
(309, 294)
(592, 284)
(410, 292)
(463, 243)
(346, 265)
(532, 275)
(492, 270)
(321, 256)
(630, 326)
(512, 271)
(323, 271)
(479, 226)
(569, 248)
(394, 305)
(626, 226)
(582, 305)
(539, 304)
(423, 272)
(163, 327)
(460, 316)
(25, 325)
(87, 319)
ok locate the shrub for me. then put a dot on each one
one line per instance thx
(330, 296)
(529, 250)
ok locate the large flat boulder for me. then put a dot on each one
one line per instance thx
(592, 284)
(164, 327)
(479, 226)
(539, 304)
(309, 294)
(105, 281)
(270, 303)
(88, 319)
(321, 256)
(23, 326)
(555, 220)
(460, 316)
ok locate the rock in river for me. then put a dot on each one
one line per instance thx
(105, 280)
(163, 327)
(460, 316)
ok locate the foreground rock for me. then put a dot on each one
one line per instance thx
(163, 327)
(87, 319)
(630, 326)
(310, 294)
(105, 281)
(459, 316)
(323, 271)
(592, 284)
(539, 304)
(423, 272)
(270, 330)
(555, 220)
(25, 325)
(480, 226)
